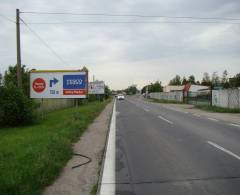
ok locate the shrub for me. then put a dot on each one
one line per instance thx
(15, 108)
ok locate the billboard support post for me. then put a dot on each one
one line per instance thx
(42, 109)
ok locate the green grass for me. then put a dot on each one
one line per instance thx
(94, 189)
(32, 157)
(218, 109)
(166, 101)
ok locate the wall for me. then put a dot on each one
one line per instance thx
(48, 105)
(229, 98)
(176, 95)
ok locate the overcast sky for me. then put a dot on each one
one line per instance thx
(125, 54)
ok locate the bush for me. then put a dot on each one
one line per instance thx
(92, 97)
(15, 108)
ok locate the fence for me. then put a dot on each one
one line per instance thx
(198, 98)
(229, 98)
(47, 105)
(175, 96)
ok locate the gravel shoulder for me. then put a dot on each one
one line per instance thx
(81, 180)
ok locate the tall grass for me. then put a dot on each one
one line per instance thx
(31, 157)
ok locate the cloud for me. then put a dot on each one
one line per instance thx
(123, 54)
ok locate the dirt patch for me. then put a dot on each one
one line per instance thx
(81, 180)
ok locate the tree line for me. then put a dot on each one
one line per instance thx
(213, 80)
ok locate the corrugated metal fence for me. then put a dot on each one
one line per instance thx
(228, 98)
(176, 95)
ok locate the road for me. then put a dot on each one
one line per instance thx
(165, 151)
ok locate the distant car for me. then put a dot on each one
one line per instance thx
(120, 97)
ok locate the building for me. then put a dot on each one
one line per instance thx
(170, 88)
(187, 89)
(193, 90)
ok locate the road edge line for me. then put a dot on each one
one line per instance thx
(108, 166)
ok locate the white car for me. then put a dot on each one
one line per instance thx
(120, 97)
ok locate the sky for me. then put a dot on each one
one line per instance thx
(123, 54)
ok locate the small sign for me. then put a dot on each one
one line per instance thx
(58, 84)
(39, 85)
(96, 87)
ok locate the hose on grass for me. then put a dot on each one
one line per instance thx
(81, 155)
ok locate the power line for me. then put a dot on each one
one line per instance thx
(132, 15)
(8, 19)
(133, 22)
(45, 43)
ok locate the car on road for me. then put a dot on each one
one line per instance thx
(120, 97)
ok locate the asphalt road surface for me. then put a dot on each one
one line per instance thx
(165, 151)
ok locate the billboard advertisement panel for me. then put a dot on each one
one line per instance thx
(96, 87)
(58, 84)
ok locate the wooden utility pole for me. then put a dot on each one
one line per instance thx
(19, 67)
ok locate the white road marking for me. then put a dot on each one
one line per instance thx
(212, 119)
(165, 119)
(146, 109)
(235, 125)
(177, 110)
(197, 115)
(107, 185)
(224, 150)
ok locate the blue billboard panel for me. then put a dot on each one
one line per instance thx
(74, 82)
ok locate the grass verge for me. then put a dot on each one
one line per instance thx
(218, 109)
(31, 157)
(94, 189)
(165, 101)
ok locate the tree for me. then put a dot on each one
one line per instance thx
(175, 81)
(15, 107)
(156, 87)
(206, 79)
(224, 79)
(107, 92)
(184, 81)
(235, 81)
(191, 79)
(215, 79)
(153, 87)
(10, 77)
(1, 79)
(131, 90)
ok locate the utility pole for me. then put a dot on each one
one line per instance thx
(19, 67)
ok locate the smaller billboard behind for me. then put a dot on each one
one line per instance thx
(58, 84)
(96, 87)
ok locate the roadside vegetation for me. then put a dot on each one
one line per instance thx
(165, 101)
(218, 109)
(16, 108)
(31, 157)
(33, 150)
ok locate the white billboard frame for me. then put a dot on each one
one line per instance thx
(58, 84)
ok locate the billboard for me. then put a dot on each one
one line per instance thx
(58, 84)
(96, 87)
